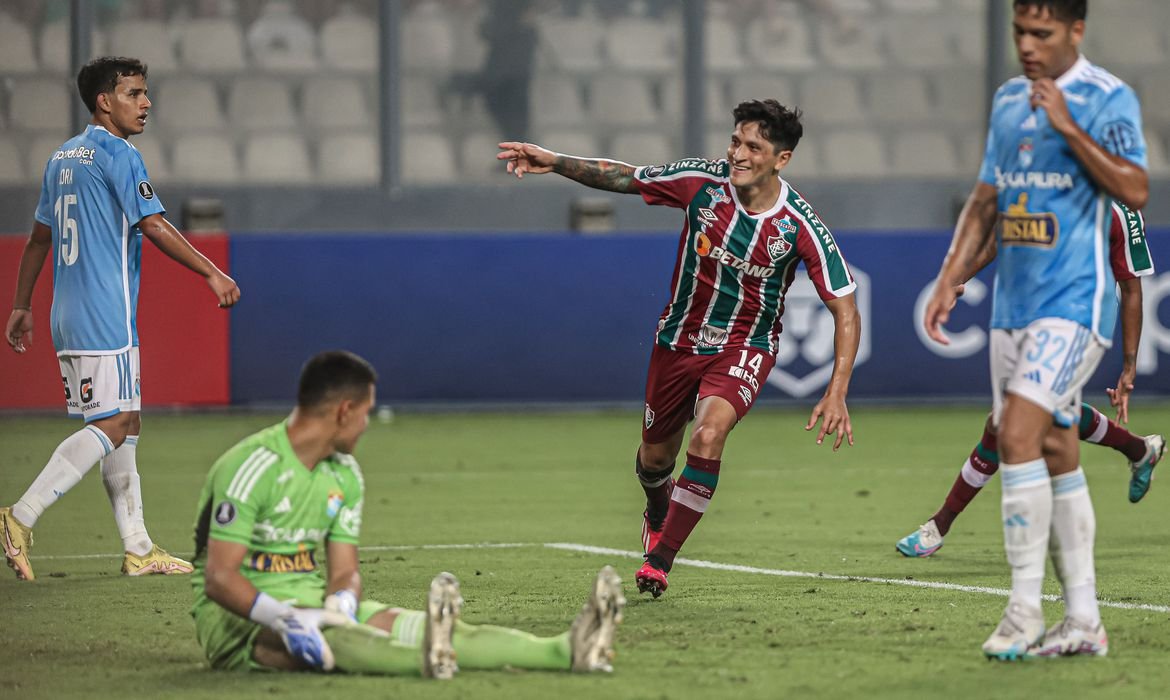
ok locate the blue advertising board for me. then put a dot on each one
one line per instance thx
(556, 317)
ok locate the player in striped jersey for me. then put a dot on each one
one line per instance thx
(280, 498)
(1130, 258)
(745, 230)
(96, 205)
(1064, 140)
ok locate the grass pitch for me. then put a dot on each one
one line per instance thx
(528, 479)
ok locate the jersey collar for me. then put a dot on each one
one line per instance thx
(780, 199)
(1073, 73)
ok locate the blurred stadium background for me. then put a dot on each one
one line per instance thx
(341, 154)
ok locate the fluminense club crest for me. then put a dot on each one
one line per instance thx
(778, 246)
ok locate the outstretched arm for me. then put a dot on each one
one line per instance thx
(968, 249)
(599, 173)
(1131, 333)
(20, 322)
(831, 407)
(170, 241)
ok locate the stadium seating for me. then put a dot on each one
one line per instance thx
(260, 104)
(428, 40)
(38, 152)
(715, 105)
(185, 104)
(781, 43)
(855, 153)
(832, 99)
(205, 159)
(556, 101)
(54, 47)
(348, 159)
(211, 45)
(349, 42)
(40, 104)
(574, 142)
(334, 103)
(924, 153)
(645, 45)
(571, 44)
(12, 169)
(427, 158)
(477, 157)
(151, 149)
(723, 44)
(649, 147)
(149, 40)
(899, 99)
(16, 47)
(276, 158)
(621, 101)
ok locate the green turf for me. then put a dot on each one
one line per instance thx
(783, 503)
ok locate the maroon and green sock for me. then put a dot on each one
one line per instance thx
(689, 500)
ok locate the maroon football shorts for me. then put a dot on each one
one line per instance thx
(678, 380)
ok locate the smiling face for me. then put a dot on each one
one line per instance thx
(1046, 46)
(123, 110)
(754, 159)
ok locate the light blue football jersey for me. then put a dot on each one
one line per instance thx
(1053, 259)
(94, 194)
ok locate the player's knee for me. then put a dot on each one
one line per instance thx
(655, 458)
(1016, 443)
(116, 427)
(707, 440)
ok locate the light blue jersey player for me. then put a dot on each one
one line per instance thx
(1065, 140)
(96, 204)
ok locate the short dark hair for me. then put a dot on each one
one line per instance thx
(778, 124)
(334, 374)
(1063, 10)
(102, 74)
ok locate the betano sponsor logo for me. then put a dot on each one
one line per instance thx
(704, 247)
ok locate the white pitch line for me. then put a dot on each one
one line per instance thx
(702, 564)
(698, 563)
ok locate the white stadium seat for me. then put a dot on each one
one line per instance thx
(570, 43)
(12, 170)
(277, 158)
(555, 101)
(419, 102)
(832, 99)
(54, 48)
(348, 159)
(924, 153)
(960, 97)
(212, 45)
(16, 46)
(41, 104)
(923, 42)
(147, 40)
(427, 158)
(153, 157)
(621, 100)
(715, 106)
(334, 102)
(759, 86)
(205, 159)
(187, 104)
(257, 103)
(781, 42)
(723, 43)
(38, 153)
(651, 147)
(643, 44)
(855, 154)
(477, 157)
(575, 142)
(899, 98)
(428, 40)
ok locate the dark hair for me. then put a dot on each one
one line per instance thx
(102, 74)
(778, 124)
(334, 374)
(1063, 10)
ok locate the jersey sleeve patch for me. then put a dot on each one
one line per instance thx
(675, 184)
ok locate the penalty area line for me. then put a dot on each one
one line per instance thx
(913, 583)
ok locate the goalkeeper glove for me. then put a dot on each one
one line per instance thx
(298, 629)
(344, 602)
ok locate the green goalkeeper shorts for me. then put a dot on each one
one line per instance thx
(227, 639)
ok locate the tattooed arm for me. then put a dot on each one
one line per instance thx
(610, 175)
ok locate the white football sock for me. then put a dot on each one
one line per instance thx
(120, 475)
(1074, 526)
(75, 456)
(1027, 517)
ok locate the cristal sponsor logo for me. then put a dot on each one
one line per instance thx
(268, 532)
(301, 562)
(79, 152)
(1032, 180)
(1019, 227)
(744, 375)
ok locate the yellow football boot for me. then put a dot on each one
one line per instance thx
(17, 541)
(156, 561)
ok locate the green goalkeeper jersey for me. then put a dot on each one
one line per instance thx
(260, 495)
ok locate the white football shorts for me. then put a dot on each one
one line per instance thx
(1048, 363)
(100, 386)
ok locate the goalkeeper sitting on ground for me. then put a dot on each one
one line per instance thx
(262, 601)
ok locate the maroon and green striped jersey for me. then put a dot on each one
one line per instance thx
(734, 266)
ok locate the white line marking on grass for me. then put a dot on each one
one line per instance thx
(702, 564)
(698, 563)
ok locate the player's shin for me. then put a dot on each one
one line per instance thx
(1074, 527)
(1096, 428)
(1027, 517)
(980, 466)
(365, 649)
(120, 477)
(692, 494)
(658, 486)
(75, 456)
(487, 646)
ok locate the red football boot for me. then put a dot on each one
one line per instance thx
(651, 580)
(650, 536)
